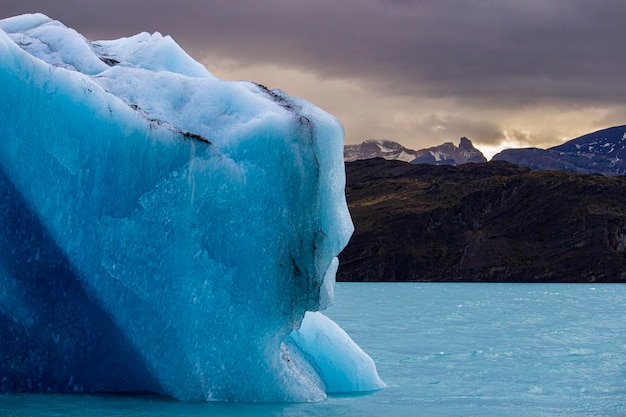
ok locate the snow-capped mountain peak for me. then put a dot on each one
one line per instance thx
(603, 151)
(444, 154)
(377, 148)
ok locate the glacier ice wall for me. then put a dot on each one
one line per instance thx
(163, 230)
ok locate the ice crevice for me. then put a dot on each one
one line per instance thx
(165, 230)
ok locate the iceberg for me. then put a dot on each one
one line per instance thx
(164, 230)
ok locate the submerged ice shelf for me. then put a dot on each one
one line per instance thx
(164, 230)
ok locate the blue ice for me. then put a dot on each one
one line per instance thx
(164, 230)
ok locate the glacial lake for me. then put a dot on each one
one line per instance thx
(443, 350)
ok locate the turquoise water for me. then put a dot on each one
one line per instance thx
(444, 350)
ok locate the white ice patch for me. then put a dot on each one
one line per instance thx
(341, 363)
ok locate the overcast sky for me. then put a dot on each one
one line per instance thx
(424, 72)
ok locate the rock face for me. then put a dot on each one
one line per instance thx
(483, 222)
(601, 152)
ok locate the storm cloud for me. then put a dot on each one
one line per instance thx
(484, 66)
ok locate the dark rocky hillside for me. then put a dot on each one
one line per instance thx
(483, 222)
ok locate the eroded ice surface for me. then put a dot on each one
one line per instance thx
(162, 229)
(340, 362)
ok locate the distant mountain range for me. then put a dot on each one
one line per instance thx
(602, 152)
(483, 222)
(386, 149)
(445, 154)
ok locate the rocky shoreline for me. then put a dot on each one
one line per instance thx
(487, 222)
